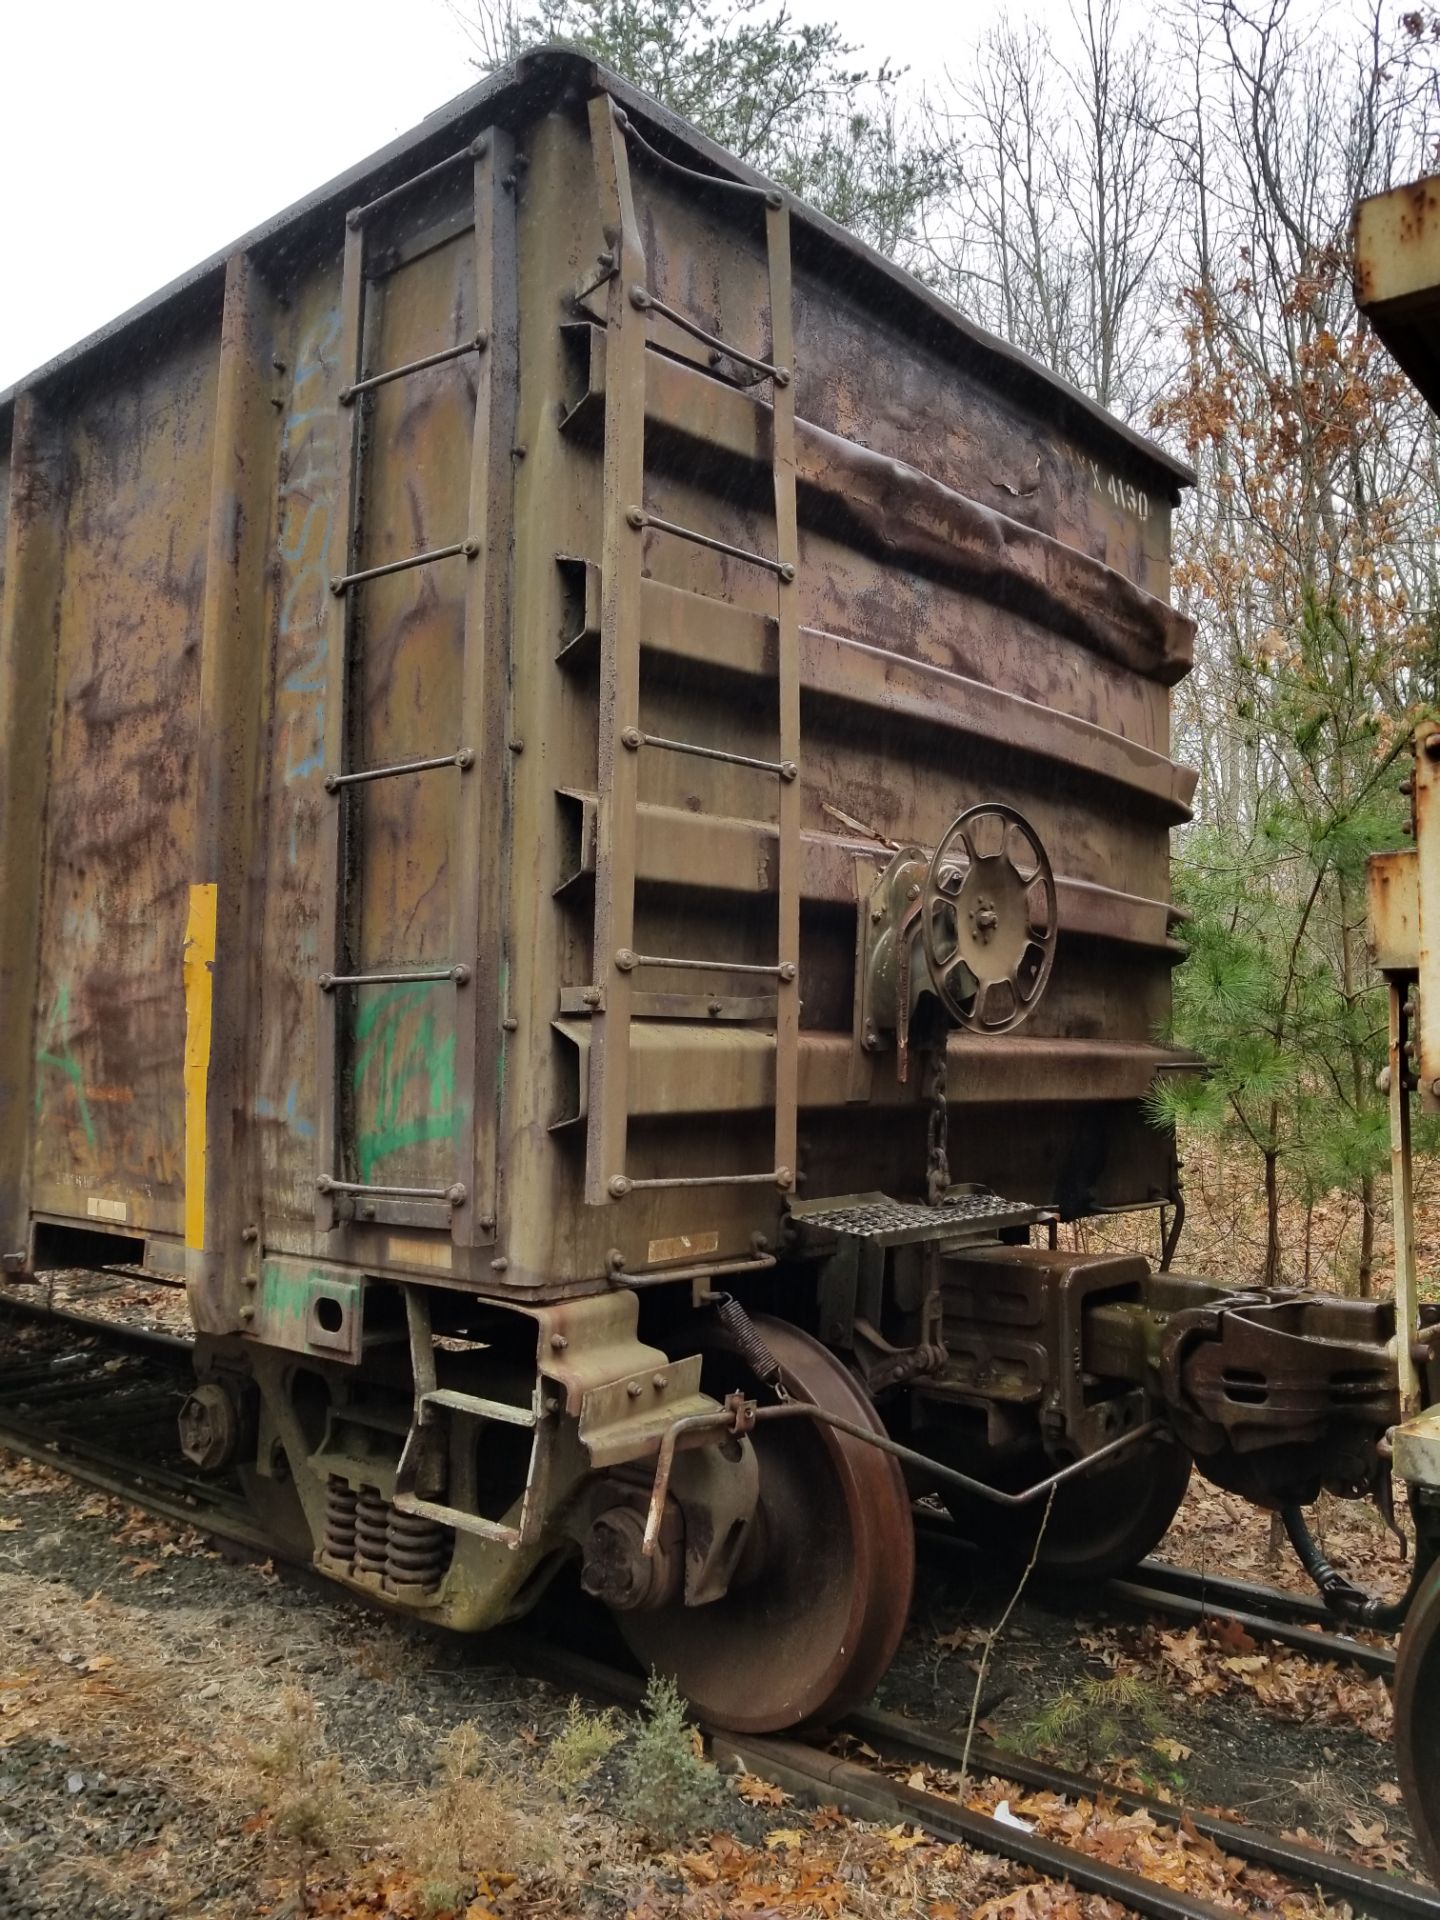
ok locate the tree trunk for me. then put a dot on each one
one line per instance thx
(1365, 1277)
(1271, 1275)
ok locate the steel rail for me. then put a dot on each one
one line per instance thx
(140, 1339)
(868, 1795)
(1273, 1602)
(1375, 1895)
(1158, 1586)
(1314, 1643)
(1371, 1893)
(824, 1779)
(170, 1495)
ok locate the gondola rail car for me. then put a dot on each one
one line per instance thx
(586, 795)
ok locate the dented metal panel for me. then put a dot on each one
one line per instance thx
(121, 796)
(980, 613)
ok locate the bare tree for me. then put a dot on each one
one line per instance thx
(1062, 190)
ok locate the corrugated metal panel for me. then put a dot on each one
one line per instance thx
(982, 602)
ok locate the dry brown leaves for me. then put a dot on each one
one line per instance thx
(1173, 1855)
(1218, 1657)
(823, 1866)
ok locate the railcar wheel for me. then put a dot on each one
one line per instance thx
(1100, 1524)
(1417, 1718)
(812, 1627)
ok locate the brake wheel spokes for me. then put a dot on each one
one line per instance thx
(989, 918)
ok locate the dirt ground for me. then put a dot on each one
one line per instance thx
(184, 1735)
(180, 1734)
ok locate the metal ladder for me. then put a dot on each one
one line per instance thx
(426, 1449)
(337, 1197)
(622, 735)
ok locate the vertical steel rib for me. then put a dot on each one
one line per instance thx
(619, 699)
(787, 549)
(477, 899)
(333, 904)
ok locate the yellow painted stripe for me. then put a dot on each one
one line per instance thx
(199, 994)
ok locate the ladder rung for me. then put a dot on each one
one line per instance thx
(464, 760)
(646, 302)
(640, 519)
(394, 976)
(477, 345)
(454, 1196)
(633, 738)
(357, 216)
(627, 961)
(770, 195)
(468, 547)
(481, 1408)
(780, 1177)
(460, 1518)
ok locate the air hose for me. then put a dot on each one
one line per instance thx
(1340, 1595)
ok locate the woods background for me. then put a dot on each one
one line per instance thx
(1157, 205)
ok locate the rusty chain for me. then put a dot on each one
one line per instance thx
(937, 1159)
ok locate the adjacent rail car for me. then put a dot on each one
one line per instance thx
(586, 797)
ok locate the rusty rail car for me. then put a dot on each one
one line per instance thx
(586, 788)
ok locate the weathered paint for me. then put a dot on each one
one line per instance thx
(982, 614)
(198, 969)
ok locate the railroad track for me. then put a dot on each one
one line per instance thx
(157, 1375)
(1182, 1593)
(820, 1776)
(69, 1408)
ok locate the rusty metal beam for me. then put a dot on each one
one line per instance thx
(28, 631)
(478, 889)
(677, 848)
(677, 1070)
(905, 513)
(234, 707)
(330, 1053)
(1397, 276)
(619, 702)
(787, 685)
(683, 626)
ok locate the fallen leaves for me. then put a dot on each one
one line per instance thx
(756, 1792)
(1315, 1691)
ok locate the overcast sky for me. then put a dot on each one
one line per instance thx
(138, 138)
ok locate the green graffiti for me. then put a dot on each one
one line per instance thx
(49, 1054)
(404, 1075)
(287, 1292)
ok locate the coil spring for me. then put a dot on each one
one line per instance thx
(339, 1538)
(372, 1515)
(419, 1550)
(753, 1350)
